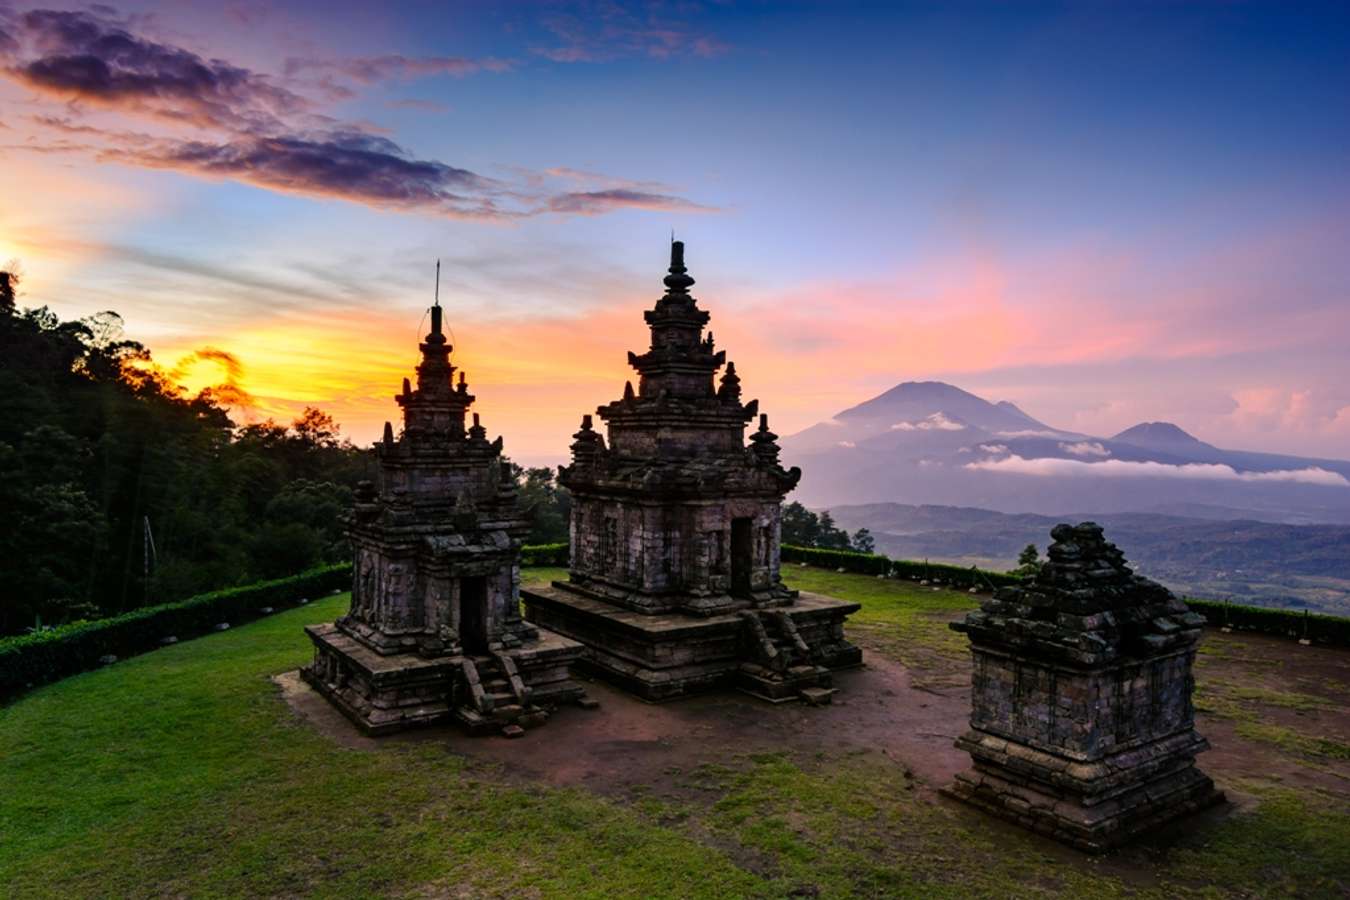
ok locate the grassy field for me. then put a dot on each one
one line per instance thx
(183, 773)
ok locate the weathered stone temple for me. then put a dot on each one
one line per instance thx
(674, 584)
(1081, 725)
(434, 632)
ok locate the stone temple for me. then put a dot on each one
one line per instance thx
(674, 582)
(1081, 725)
(435, 633)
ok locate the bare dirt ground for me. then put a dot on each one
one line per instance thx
(1265, 704)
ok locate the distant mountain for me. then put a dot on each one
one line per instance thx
(927, 413)
(1163, 436)
(928, 442)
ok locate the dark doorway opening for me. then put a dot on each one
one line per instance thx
(473, 617)
(742, 556)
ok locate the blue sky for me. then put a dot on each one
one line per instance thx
(1104, 212)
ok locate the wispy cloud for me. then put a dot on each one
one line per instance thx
(373, 69)
(263, 131)
(592, 203)
(603, 31)
(1115, 468)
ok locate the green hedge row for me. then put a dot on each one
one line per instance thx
(876, 564)
(544, 555)
(1318, 628)
(43, 656)
(1321, 629)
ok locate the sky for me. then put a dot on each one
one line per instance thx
(1105, 212)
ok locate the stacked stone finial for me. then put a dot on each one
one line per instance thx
(765, 443)
(1082, 725)
(730, 389)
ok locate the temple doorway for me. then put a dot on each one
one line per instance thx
(473, 617)
(742, 556)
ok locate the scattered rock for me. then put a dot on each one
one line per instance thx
(223, 626)
(107, 660)
(586, 702)
(266, 610)
(166, 641)
(513, 731)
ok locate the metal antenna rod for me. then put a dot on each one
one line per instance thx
(438, 283)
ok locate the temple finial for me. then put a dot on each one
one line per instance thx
(678, 281)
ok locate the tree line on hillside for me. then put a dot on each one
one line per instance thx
(803, 528)
(120, 490)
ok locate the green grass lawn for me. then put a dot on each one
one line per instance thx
(183, 773)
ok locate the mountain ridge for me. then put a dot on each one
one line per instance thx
(933, 442)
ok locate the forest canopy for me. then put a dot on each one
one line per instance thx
(119, 489)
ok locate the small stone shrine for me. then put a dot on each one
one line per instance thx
(674, 584)
(434, 632)
(1081, 725)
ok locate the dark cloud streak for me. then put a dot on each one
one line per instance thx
(87, 58)
(372, 69)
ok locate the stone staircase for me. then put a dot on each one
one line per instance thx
(494, 698)
(779, 665)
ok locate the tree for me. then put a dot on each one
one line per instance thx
(801, 527)
(1028, 561)
(831, 537)
(95, 441)
(547, 502)
(863, 542)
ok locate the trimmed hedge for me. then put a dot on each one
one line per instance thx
(43, 656)
(33, 659)
(1316, 627)
(544, 555)
(877, 564)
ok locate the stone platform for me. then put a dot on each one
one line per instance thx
(1032, 766)
(780, 654)
(482, 692)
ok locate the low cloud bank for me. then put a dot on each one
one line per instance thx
(1120, 468)
(1085, 448)
(936, 422)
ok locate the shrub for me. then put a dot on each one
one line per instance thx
(44, 656)
(1293, 623)
(544, 555)
(877, 564)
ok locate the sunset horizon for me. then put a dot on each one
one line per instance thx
(277, 185)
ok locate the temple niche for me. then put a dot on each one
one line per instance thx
(435, 632)
(1081, 725)
(674, 582)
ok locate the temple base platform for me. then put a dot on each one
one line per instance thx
(1094, 806)
(781, 654)
(499, 690)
